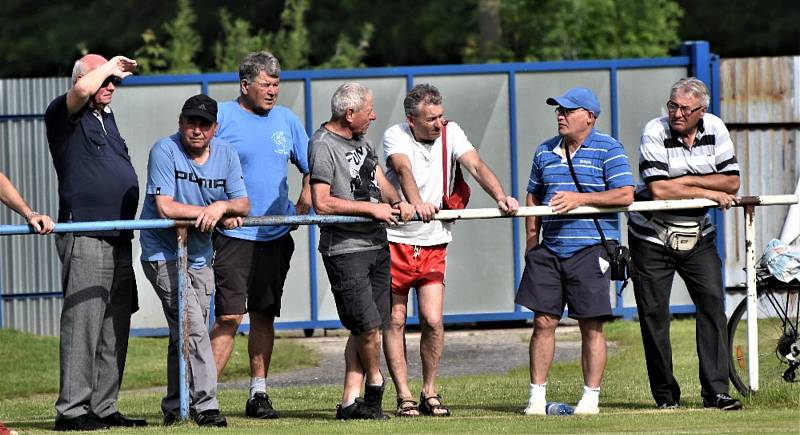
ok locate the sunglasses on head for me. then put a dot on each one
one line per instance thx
(111, 79)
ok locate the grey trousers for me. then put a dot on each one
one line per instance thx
(201, 370)
(99, 287)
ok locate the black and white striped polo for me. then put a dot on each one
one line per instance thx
(662, 156)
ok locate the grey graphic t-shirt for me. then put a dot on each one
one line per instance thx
(348, 166)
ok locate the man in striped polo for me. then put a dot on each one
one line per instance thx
(570, 266)
(686, 154)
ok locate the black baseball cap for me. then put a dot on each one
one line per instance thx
(201, 106)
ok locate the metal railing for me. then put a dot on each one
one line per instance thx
(748, 203)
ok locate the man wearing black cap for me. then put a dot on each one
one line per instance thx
(570, 266)
(191, 175)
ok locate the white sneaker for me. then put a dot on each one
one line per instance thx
(535, 407)
(585, 408)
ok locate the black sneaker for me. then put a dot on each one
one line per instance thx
(171, 418)
(669, 405)
(373, 399)
(260, 407)
(722, 401)
(357, 411)
(211, 417)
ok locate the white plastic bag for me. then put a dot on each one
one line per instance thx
(782, 260)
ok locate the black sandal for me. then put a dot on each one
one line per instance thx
(407, 408)
(428, 408)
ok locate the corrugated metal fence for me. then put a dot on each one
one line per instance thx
(24, 158)
(760, 102)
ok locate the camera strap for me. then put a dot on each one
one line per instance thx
(603, 240)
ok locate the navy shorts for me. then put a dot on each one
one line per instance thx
(361, 286)
(250, 275)
(581, 282)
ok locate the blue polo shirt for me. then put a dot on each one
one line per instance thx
(600, 164)
(96, 181)
(266, 145)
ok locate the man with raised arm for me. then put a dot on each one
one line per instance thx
(96, 182)
(569, 266)
(686, 154)
(346, 179)
(413, 151)
(191, 175)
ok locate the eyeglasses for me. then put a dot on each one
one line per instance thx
(673, 107)
(111, 80)
(563, 111)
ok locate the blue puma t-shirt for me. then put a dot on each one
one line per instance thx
(171, 172)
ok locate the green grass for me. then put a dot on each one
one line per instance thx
(29, 363)
(490, 403)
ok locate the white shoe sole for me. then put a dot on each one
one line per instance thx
(535, 409)
(585, 410)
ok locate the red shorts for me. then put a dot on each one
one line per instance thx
(416, 266)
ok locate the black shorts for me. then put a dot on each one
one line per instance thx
(361, 285)
(250, 275)
(550, 283)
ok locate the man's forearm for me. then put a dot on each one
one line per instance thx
(670, 189)
(489, 182)
(719, 182)
(619, 197)
(339, 206)
(237, 206)
(409, 186)
(304, 200)
(12, 199)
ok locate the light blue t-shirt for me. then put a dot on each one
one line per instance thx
(171, 172)
(266, 144)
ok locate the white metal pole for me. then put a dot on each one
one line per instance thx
(752, 315)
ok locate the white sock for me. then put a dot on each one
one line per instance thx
(257, 385)
(348, 403)
(537, 392)
(591, 396)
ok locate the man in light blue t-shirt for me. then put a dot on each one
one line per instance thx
(191, 175)
(251, 263)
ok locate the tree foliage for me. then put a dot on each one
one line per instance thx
(582, 29)
(236, 43)
(289, 42)
(183, 43)
(45, 40)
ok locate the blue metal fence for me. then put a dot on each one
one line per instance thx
(695, 57)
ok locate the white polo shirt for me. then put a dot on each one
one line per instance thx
(426, 165)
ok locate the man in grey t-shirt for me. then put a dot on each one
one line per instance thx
(346, 178)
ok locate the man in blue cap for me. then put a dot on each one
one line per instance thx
(570, 266)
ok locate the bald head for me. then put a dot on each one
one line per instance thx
(86, 64)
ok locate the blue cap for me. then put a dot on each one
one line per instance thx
(577, 97)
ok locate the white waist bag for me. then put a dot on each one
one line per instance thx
(678, 235)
